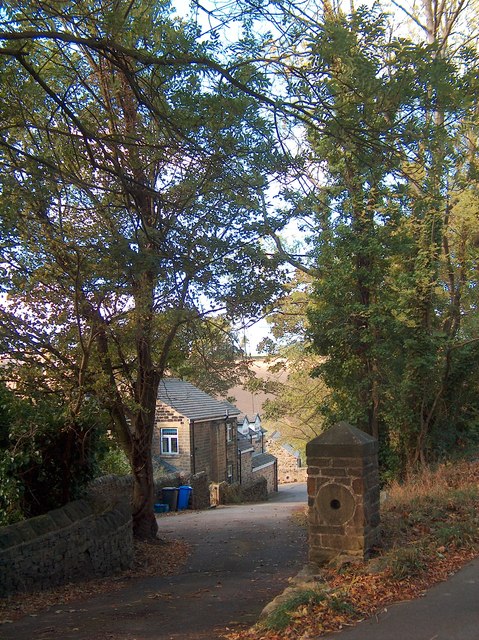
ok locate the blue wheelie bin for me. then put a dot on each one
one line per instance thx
(184, 495)
(161, 508)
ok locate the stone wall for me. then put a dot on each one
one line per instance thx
(74, 542)
(269, 474)
(253, 491)
(85, 538)
(288, 469)
(111, 488)
(246, 470)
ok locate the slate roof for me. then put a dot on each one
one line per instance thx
(244, 446)
(262, 459)
(242, 416)
(294, 452)
(191, 402)
(276, 435)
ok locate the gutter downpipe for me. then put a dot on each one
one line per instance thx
(192, 446)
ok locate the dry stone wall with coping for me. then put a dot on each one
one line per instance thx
(87, 538)
(71, 543)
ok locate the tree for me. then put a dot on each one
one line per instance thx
(386, 316)
(390, 151)
(131, 180)
(45, 461)
(208, 355)
(296, 399)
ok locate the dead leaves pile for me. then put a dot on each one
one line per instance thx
(157, 557)
(353, 596)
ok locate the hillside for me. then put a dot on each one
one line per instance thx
(252, 402)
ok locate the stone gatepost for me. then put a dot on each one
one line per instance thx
(343, 494)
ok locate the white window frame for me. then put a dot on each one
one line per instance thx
(169, 441)
(229, 432)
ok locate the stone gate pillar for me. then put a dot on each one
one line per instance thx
(343, 494)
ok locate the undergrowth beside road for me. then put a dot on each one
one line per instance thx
(430, 529)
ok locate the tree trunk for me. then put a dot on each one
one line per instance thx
(144, 521)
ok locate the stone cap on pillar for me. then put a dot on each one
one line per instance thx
(342, 440)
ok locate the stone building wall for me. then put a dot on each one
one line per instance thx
(212, 452)
(288, 469)
(258, 443)
(246, 472)
(269, 473)
(209, 449)
(202, 446)
(74, 542)
(166, 417)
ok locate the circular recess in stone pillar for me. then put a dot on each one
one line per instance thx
(335, 504)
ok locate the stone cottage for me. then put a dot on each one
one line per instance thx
(289, 459)
(195, 432)
(251, 429)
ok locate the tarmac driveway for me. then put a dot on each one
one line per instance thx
(242, 558)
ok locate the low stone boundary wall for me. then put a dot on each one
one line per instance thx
(67, 544)
(85, 538)
(254, 491)
(108, 489)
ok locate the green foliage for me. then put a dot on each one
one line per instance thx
(46, 460)
(10, 488)
(295, 397)
(207, 355)
(295, 408)
(112, 460)
(432, 512)
(395, 262)
(339, 603)
(283, 614)
(132, 179)
(406, 562)
(461, 535)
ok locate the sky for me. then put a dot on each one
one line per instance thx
(254, 335)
